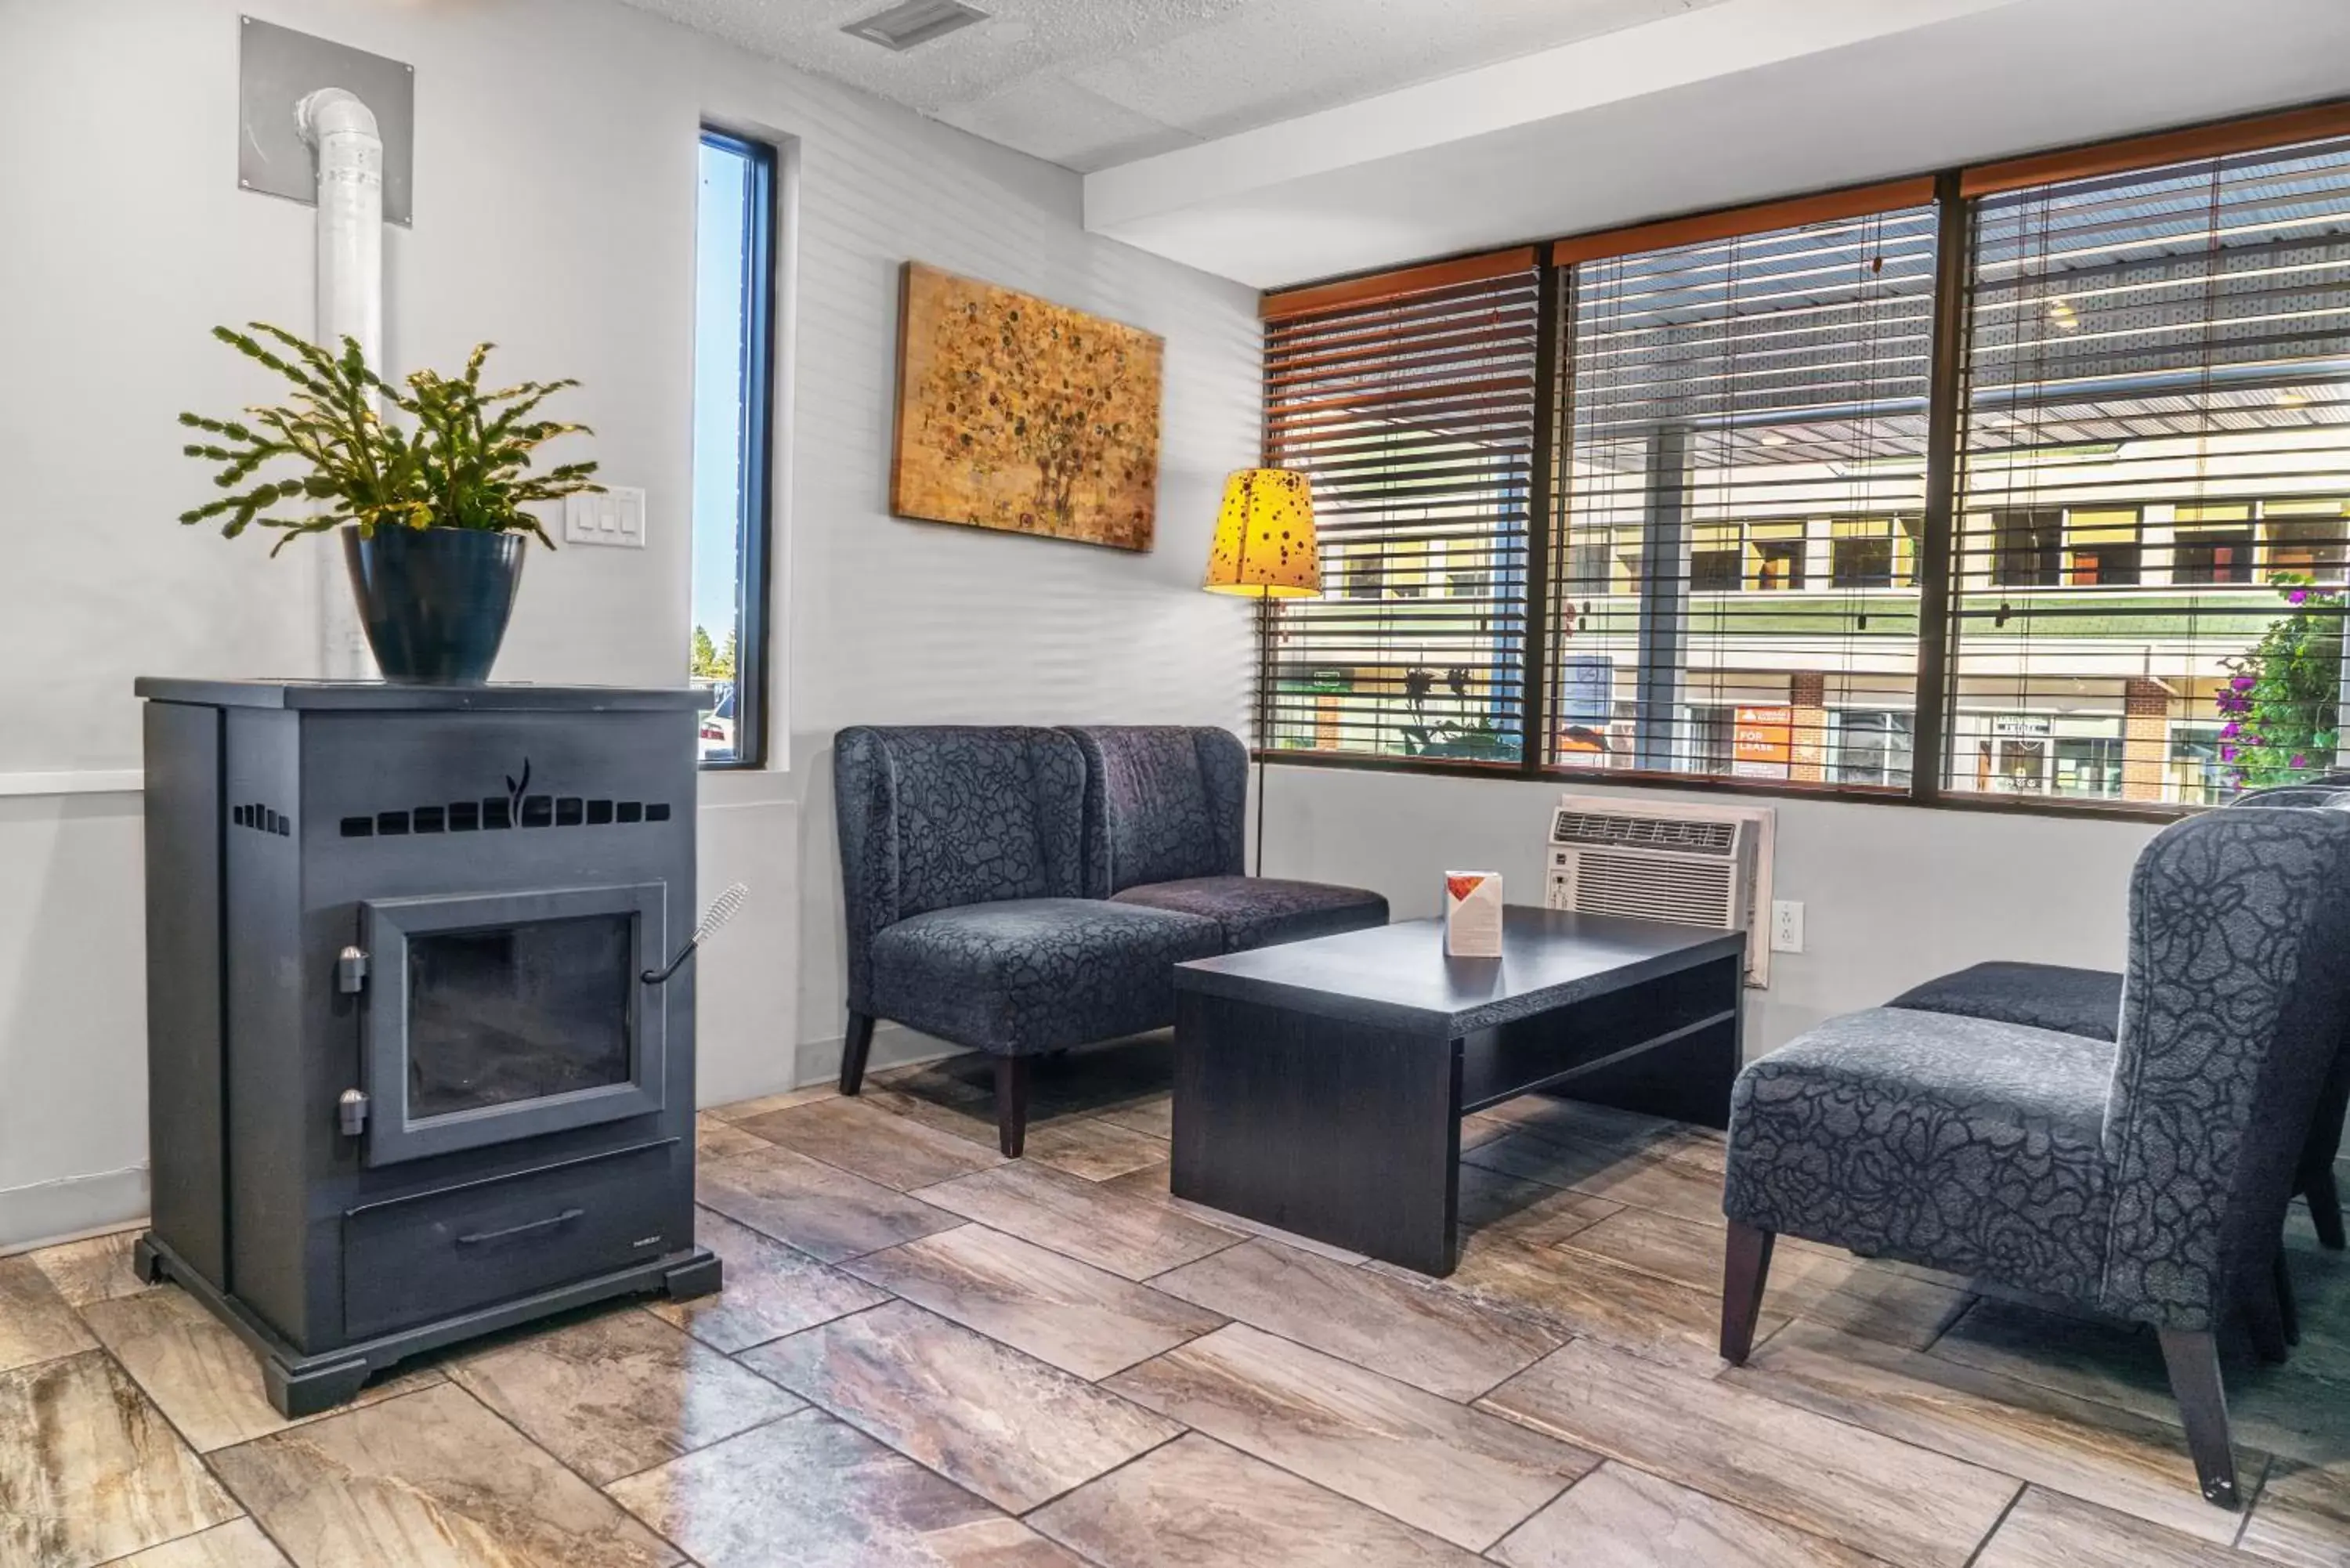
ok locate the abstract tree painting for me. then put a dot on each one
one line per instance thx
(1019, 414)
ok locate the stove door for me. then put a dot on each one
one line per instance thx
(502, 1017)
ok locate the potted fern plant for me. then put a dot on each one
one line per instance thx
(434, 513)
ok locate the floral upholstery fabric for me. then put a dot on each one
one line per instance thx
(941, 817)
(1259, 911)
(1957, 1142)
(1036, 974)
(1968, 1143)
(1163, 803)
(2232, 1015)
(2085, 1002)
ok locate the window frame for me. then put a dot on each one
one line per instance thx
(753, 643)
(1932, 561)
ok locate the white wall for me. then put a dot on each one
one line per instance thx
(555, 188)
(1891, 895)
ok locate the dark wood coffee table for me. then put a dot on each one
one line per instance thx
(1319, 1086)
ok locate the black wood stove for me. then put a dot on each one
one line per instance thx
(413, 1076)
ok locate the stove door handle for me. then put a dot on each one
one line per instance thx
(549, 1223)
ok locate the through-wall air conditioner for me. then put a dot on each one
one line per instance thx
(1697, 865)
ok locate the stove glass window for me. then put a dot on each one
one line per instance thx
(504, 1014)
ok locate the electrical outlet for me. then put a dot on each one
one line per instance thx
(1786, 925)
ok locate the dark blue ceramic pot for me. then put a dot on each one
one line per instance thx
(435, 601)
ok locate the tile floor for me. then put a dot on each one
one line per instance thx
(927, 1354)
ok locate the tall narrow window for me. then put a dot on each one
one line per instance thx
(733, 280)
(1414, 413)
(2155, 481)
(1742, 482)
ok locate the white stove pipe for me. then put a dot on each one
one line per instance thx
(341, 130)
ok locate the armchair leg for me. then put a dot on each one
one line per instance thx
(1012, 1105)
(1745, 1265)
(854, 1049)
(2264, 1317)
(2288, 1310)
(2325, 1206)
(2194, 1362)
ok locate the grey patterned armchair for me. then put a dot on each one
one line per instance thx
(977, 869)
(2145, 1178)
(2088, 1002)
(1165, 806)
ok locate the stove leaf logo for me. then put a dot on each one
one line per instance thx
(1461, 886)
(515, 788)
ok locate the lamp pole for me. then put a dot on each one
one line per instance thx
(1264, 709)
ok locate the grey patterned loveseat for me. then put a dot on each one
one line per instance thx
(2145, 1178)
(2088, 1002)
(1002, 897)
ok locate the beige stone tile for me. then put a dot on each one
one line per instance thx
(619, 1392)
(96, 1269)
(1459, 1474)
(236, 1545)
(894, 1150)
(431, 1479)
(1151, 1182)
(1079, 1318)
(2048, 1530)
(1196, 1503)
(1095, 1147)
(1496, 1206)
(1593, 1298)
(200, 1372)
(2301, 1515)
(771, 1289)
(1618, 1517)
(1832, 1288)
(1432, 1338)
(1094, 1222)
(716, 1139)
(1531, 1157)
(1909, 1505)
(89, 1470)
(1572, 1121)
(821, 1208)
(2283, 1410)
(743, 1110)
(807, 1491)
(2084, 1450)
(35, 1323)
(1003, 1425)
(1153, 1114)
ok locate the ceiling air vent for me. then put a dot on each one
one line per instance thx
(915, 22)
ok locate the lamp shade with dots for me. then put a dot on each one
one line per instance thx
(1265, 537)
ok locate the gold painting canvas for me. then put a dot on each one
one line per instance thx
(1019, 414)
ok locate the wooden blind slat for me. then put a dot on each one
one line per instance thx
(1736, 221)
(1289, 304)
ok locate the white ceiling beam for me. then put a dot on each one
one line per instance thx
(1739, 102)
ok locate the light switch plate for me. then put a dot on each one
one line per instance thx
(614, 516)
(1786, 925)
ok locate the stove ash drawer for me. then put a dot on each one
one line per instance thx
(411, 1260)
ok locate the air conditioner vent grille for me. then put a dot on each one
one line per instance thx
(904, 27)
(1647, 832)
(1650, 890)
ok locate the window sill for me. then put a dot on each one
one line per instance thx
(2151, 814)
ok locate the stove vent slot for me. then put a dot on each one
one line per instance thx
(491, 813)
(262, 819)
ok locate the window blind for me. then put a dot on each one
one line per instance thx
(2155, 481)
(1413, 410)
(1734, 552)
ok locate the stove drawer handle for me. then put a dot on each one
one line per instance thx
(549, 1223)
